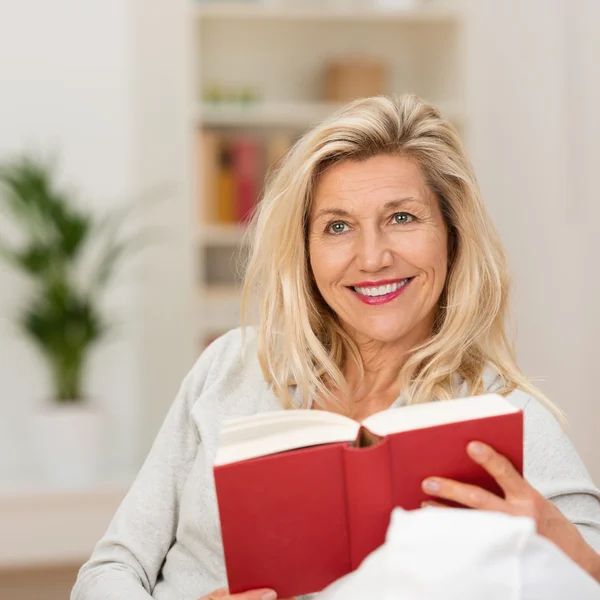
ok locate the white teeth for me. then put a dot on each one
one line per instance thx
(381, 290)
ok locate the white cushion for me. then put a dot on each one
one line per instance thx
(459, 554)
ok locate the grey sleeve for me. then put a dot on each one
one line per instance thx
(126, 562)
(553, 467)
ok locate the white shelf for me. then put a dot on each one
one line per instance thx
(220, 308)
(220, 234)
(219, 294)
(258, 11)
(52, 528)
(282, 114)
(280, 49)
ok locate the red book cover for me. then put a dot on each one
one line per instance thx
(296, 521)
(246, 172)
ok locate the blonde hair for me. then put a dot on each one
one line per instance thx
(300, 340)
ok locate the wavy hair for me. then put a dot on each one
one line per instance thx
(300, 339)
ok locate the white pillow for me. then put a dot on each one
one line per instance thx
(459, 554)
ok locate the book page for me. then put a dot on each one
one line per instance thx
(279, 431)
(420, 416)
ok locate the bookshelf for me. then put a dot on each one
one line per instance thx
(257, 85)
(427, 12)
(220, 234)
(265, 114)
(282, 114)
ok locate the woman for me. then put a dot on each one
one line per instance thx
(380, 281)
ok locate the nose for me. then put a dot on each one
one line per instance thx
(373, 252)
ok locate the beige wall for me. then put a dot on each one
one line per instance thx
(534, 145)
(115, 113)
(66, 90)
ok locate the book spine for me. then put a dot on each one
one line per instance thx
(207, 152)
(245, 153)
(369, 494)
(277, 147)
(225, 184)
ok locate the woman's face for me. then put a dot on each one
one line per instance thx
(378, 248)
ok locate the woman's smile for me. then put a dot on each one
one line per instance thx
(376, 293)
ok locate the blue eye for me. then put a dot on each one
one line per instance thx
(337, 227)
(402, 218)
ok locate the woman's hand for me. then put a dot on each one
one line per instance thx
(223, 594)
(521, 499)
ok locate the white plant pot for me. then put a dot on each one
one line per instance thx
(67, 443)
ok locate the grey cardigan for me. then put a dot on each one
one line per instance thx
(164, 541)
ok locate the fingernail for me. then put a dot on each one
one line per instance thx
(270, 596)
(477, 448)
(431, 486)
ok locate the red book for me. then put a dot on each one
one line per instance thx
(305, 495)
(246, 172)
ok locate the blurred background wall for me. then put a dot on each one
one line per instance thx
(112, 86)
(66, 75)
(100, 86)
(534, 153)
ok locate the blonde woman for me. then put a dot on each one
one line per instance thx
(380, 281)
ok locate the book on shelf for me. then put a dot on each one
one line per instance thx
(246, 159)
(233, 166)
(278, 145)
(305, 495)
(225, 184)
(207, 144)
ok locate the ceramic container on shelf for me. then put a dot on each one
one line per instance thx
(67, 440)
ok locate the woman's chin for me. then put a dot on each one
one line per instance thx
(384, 334)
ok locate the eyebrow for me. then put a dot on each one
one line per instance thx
(340, 212)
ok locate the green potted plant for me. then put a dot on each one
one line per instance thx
(69, 255)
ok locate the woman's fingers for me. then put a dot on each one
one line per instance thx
(467, 495)
(500, 468)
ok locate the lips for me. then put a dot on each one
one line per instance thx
(380, 292)
(381, 289)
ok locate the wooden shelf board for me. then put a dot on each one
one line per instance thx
(219, 308)
(258, 11)
(282, 114)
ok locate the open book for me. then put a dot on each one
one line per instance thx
(305, 495)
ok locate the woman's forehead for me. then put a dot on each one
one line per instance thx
(387, 181)
(380, 172)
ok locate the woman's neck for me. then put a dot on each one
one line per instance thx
(378, 386)
(376, 389)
